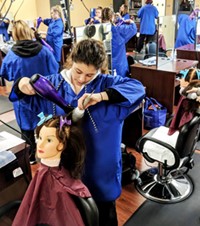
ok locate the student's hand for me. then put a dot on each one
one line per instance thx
(25, 87)
(129, 21)
(193, 90)
(89, 99)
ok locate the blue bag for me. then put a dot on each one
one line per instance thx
(154, 113)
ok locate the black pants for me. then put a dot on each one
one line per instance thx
(107, 213)
(146, 38)
(28, 135)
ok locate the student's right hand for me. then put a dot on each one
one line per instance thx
(25, 86)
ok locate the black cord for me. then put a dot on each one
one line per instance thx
(6, 12)
(3, 5)
(18, 9)
(85, 6)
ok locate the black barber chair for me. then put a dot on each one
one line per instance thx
(168, 182)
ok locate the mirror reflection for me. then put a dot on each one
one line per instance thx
(197, 40)
(101, 32)
(166, 39)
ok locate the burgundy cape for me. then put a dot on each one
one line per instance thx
(181, 116)
(48, 200)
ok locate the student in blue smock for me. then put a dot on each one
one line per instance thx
(123, 12)
(4, 23)
(121, 34)
(147, 14)
(55, 31)
(113, 99)
(26, 57)
(186, 32)
(95, 19)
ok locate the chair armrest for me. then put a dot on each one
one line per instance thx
(9, 206)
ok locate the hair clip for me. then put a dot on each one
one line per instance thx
(64, 121)
(43, 118)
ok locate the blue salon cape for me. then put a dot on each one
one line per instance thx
(55, 36)
(14, 67)
(120, 36)
(186, 32)
(147, 14)
(103, 164)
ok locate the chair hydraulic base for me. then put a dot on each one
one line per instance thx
(173, 188)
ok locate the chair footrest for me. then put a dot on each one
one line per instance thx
(170, 189)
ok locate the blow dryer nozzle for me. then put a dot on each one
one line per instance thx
(44, 88)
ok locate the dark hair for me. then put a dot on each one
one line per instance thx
(192, 105)
(125, 10)
(107, 14)
(191, 75)
(89, 52)
(73, 154)
(149, 2)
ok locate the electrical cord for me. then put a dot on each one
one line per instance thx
(6, 12)
(18, 8)
(85, 6)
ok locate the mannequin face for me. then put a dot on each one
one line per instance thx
(48, 145)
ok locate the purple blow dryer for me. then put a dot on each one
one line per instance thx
(45, 89)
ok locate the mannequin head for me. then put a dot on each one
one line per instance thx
(58, 138)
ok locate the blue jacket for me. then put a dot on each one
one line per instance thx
(3, 31)
(120, 36)
(15, 66)
(55, 36)
(186, 32)
(147, 14)
(103, 164)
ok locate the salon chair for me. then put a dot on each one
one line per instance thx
(168, 182)
(150, 50)
(88, 210)
(86, 206)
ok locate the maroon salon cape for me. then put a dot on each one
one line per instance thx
(181, 116)
(48, 201)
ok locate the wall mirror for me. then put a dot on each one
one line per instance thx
(166, 39)
(101, 32)
(197, 39)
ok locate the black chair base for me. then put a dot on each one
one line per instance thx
(174, 188)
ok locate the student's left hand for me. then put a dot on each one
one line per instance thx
(88, 99)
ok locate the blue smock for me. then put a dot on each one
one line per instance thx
(15, 66)
(120, 36)
(126, 16)
(87, 21)
(186, 32)
(102, 128)
(3, 31)
(55, 36)
(147, 14)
